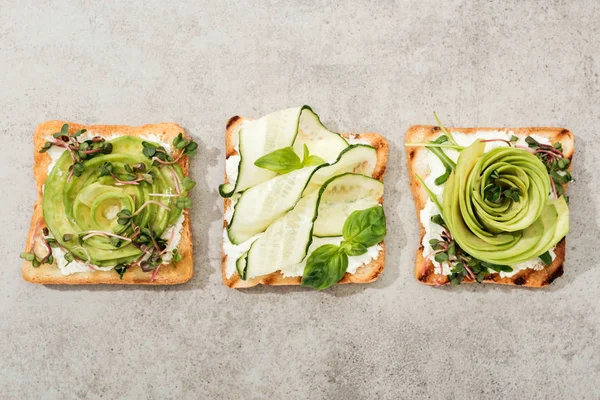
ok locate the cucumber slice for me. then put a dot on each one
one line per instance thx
(262, 204)
(320, 141)
(293, 126)
(269, 133)
(240, 266)
(284, 243)
(356, 158)
(349, 193)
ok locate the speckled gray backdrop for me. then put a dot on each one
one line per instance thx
(377, 66)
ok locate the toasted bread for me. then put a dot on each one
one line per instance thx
(418, 165)
(50, 273)
(364, 274)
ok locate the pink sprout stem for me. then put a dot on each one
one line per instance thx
(175, 161)
(90, 234)
(176, 180)
(155, 272)
(553, 187)
(169, 242)
(147, 203)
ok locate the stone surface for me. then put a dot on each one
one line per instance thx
(377, 66)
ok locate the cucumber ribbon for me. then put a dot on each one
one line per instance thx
(505, 231)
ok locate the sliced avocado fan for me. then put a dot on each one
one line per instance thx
(506, 231)
(82, 213)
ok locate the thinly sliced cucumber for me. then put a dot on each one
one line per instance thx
(356, 158)
(262, 204)
(320, 141)
(240, 266)
(294, 126)
(284, 243)
(349, 193)
(257, 138)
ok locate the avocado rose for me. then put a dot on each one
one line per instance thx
(496, 205)
(117, 206)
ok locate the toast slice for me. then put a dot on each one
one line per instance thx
(418, 164)
(364, 274)
(50, 273)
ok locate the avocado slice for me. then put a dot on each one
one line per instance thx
(507, 232)
(91, 202)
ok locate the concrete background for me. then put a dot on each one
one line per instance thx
(376, 66)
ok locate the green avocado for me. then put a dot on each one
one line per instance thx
(91, 202)
(507, 232)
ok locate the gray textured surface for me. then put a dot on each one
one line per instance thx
(371, 67)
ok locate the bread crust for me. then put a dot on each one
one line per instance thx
(50, 273)
(416, 158)
(364, 274)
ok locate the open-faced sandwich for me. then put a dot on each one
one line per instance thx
(491, 203)
(112, 205)
(303, 205)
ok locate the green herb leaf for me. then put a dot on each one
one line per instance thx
(78, 169)
(191, 149)
(513, 193)
(280, 161)
(177, 256)
(67, 237)
(325, 267)
(28, 256)
(177, 139)
(115, 241)
(121, 269)
(558, 146)
(446, 161)
(64, 131)
(182, 143)
(46, 147)
(437, 219)
(149, 149)
(106, 168)
(188, 184)
(365, 228)
(513, 139)
(183, 202)
(353, 249)
(69, 257)
(546, 258)
(441, 257)
(531, 142)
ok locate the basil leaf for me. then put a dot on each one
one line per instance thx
(325, 267)
(366, 227)
(281, 161)
(312, 161)
(353, 249)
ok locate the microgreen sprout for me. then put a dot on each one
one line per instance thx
(556, 163)
(183, 146)
(495, 193)
(79, 151)
(461, 264)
